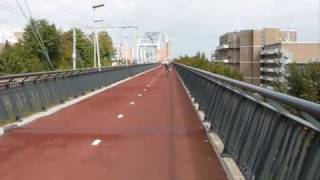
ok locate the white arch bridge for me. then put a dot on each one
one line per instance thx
(153, 47)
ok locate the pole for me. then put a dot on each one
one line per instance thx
(125, 49)
(98, 49)
(96, 37)
(319, 27)
(135, 47)
(94, 42)
(74, 54)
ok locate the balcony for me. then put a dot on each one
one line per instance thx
(270, 61)
(268, 78)
(227, 46)
(270, 51)
(272, 70)
(224, 46)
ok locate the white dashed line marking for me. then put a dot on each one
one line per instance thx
(145, 90)
(120, 116)
(139, 95)
(148, 85)
(132, 103)
(155, 78)
(96, 142)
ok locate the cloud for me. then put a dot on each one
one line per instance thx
(192, 25)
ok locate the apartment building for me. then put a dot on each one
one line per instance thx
(275, 59)
(242, 50)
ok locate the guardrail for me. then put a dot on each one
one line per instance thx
(24, 94)
(268, 134)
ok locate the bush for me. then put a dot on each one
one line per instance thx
(201, 62)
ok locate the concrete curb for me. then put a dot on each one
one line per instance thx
(27, 120)
(230, 167)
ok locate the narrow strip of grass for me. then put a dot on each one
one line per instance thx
(6, 122)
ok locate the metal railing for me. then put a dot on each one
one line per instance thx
(268, 134)
(24, 94)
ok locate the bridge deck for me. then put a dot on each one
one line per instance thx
(158, 137)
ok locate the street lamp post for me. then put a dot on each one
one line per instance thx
(74, 53)
(96, 37)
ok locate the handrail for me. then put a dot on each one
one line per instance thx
(65, 73)
(301, 104)
(257, 129)
(24, 94)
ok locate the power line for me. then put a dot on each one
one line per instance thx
(38, 38)
(16, 10)
(69, 9)
(34, 24)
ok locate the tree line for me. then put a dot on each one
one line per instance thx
(200, 61)
(27, 55)
(303, 81)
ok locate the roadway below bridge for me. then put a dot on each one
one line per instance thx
(143, 129)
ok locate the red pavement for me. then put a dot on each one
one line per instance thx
(158, 138)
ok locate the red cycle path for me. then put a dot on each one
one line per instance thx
(158, 138)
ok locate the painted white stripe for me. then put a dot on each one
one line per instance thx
(57, 108)
(96, 142)
(139, 95)
(120, 116)
(145, 90)
(155, 78)
(132, 103)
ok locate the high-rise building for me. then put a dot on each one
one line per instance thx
(241, 50)
(276, 58)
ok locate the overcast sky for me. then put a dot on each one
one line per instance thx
(192, 25)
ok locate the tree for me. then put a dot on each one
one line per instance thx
(295, 86)
(303, 82)
(19, 59)
(201, 62)
(311, 82)
(84, 48)
(85, 51)
(106, 48)
(51, 37)
(27, 55)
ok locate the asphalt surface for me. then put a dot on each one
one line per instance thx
(143, 129)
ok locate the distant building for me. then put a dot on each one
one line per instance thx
(125, 53)
(275, 59)
(213, 56)
(153, 47)
(11, 37)
(241, 50)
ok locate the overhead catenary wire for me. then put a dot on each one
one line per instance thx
(36, 35)
(18, 12)
(33, 23)
(11, 8)
(69, 9)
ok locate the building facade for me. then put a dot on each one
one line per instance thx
(241, 50)
(276, 58)
(11, 37)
